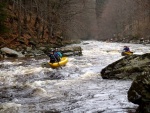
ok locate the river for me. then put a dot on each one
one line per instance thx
(26, 87)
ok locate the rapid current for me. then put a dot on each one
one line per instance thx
(26, 87)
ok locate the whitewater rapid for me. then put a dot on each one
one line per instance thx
(26, 87)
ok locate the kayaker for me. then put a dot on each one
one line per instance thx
(52, 57)
(57, 56)
(58, 52)
(126, 49)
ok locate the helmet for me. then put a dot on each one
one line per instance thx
(56, 49)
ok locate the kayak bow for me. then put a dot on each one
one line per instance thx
(62, 62)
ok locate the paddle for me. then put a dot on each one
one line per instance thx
(58, 62)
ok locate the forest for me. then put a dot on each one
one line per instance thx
(54, 21)
(74, 56)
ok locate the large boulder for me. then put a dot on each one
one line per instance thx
(128, 67)
(11, 53)
(139, 93)
(69, 51)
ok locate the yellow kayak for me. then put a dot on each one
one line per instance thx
(62, 62)
(126, 53)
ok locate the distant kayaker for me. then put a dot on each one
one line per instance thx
(126, 49)
(58, 52)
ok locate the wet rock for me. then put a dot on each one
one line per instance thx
(9, 107)
(2, 54)
(39, 92)
(139, 93)
(54, 76)
(45, 64)
(33, 52)
(69, 51)
(128, 67)
(85, 43)
(11, 53)
(14, 92)
(42, 48)
(32, 42)
(5, 96)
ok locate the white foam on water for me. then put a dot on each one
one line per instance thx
(81, 88)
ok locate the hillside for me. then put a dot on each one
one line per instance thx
(56, 23)
(26, 28)
(123, 19)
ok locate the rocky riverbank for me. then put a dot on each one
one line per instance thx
(36, 52)
(136, 68)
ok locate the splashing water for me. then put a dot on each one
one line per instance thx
(26, 87)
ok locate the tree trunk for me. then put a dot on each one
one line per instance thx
(19, 18)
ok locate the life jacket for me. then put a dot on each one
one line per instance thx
(57, 56)
(52, 57)
(126, 49)
(60, 55)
